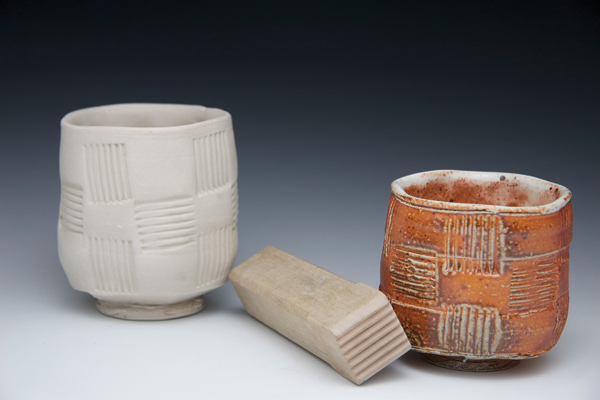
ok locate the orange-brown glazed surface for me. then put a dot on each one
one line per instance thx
(477, 283)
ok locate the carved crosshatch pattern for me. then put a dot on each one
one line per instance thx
(235, 201)
(414, 272)
(532, 288)
(562, 306)
(71, 208)
(213, 164)
(112, 263)
(471, 244)
(107, 172)
(566, 229)
(388, 228)
(216, 249)
(167, 224)
(470, 329)
(163, 225)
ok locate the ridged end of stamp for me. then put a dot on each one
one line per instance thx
(374, 342)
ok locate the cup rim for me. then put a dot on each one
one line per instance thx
(208, 116)
(483, 176)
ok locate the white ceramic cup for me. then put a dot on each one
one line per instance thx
(149, 206)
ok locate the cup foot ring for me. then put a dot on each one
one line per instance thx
(462, 364)
(144, 312)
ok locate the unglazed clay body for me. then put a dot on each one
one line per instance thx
(351, 326)
(149, 206)
(476, 265)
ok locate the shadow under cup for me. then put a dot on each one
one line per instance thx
(476, 266)
(149, 204)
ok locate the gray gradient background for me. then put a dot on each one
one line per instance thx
(331, 101)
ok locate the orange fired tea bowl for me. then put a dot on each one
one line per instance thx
(476, 266)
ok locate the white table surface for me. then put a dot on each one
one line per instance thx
(56, 345)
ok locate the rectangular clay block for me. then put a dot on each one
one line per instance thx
(349, 325)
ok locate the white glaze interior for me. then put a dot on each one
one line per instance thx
(536, 195)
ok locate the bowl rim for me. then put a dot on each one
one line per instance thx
(484, 176)
(209, 116)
